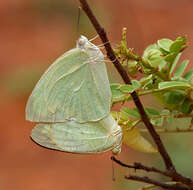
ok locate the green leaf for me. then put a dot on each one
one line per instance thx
(178, 123)
(131, 65)
(132, 112)
(171, 57)
(189, 75)
(179, 79)
(178, 44)
(133, 123)
(175, 61)
(152, 112)
(136, 84)
(157, 121)
(116, 93)
(127, 88)
(164, 44)
(174, 97)
(170, 118)
(154, 57)
(181, 68)
(150, 47)
(115, 86)
(186, 106)
(173, 85)
(124, 116)
(165, 112)
(145, 79)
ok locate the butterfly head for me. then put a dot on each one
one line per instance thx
(84, 44)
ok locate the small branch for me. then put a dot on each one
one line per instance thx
(139, 166)
(157, 183)
(152, 186)
(174, 176)
(139, 59)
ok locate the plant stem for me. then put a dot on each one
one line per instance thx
(110, 53)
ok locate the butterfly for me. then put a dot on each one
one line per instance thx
(71, 104)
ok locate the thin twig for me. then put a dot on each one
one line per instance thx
(152, 186)
(157, 183)
(174, 176)
(139, 166)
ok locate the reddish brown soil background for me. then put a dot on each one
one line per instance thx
(32, 34)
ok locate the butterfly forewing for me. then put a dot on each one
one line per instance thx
(74, 86)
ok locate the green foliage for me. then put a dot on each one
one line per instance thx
(173, 85)
(164, 45)
(134, 116)
(161, 74)
(188, 75)
(180, 69)
(153, 56)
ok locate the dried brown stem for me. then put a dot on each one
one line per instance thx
(157, 183)
(139, 166)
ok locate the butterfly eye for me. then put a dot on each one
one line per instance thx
(81, 42)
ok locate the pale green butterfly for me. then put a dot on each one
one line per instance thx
(76, 85)
(71, 102)
(70, 136)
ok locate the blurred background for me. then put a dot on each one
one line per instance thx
(33, 33)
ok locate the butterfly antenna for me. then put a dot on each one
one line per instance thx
(102, 48)
(101, 45)
(78, 20)
(94, 38)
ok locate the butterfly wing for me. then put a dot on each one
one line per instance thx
(74, 86)
(70, 136)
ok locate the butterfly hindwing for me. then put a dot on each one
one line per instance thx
(70, 136)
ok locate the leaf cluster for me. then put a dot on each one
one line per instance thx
(159, 72)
